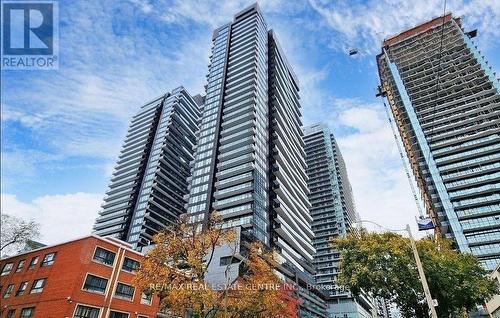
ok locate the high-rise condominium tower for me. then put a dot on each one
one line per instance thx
(150, 178)
(250, 161)
(446, 102)
(333, 213)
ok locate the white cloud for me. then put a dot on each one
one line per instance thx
(381, 189)
(294, 34)
(29, 120)
(144, 5)
(111, 64)
(19, 166)
(365, 119)
(110, 69)
(365, 24)
(62, 217)
(216, 13)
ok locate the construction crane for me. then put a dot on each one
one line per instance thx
(401, 154)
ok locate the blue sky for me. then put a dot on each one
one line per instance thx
(62, 130)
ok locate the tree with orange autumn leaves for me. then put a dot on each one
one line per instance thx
(175, 270)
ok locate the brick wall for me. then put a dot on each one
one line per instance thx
(65, 278)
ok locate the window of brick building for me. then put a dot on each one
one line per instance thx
(86, 312)
(20, 266)
(130, 265)
(104, 256)
(37, 286)
(8, 291)
(124, 291)
(28, 312)
(33, 262)
(95, 284)
(146, 298)
(118, 314)
(48, 259)
(7, 268)
(22, 288)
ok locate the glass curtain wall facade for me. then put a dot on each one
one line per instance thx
(291, 222)
(333, 213)
(446, 102)
(149, 182)
(231, 166)
(249, 162)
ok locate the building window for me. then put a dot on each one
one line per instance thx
(20, 266)
(117, 314)
(27, 312)
(48, 259)
(95, 284)
(86, 312)
(37, 286)
(7, 268)
(8, 291)
(104, 256)
(10, 313)
(124, 291)
(130, 265)
(33, 262)
(146, 298)
(22, 288)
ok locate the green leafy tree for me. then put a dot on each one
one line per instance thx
(383, 264)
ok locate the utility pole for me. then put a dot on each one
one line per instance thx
(421, 273)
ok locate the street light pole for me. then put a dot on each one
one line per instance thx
(421, 273)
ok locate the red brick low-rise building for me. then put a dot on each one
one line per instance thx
(91, 277)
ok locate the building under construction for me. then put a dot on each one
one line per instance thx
(445, 100)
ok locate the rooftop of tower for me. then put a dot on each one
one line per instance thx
(420, 28)
(237, 16)
(256, 8)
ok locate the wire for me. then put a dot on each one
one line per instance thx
(401, 154)
(360, 222)
(437, 83)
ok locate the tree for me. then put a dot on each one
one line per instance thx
(175, 269)
(258, 291)
(383, 265)
(16, 233)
